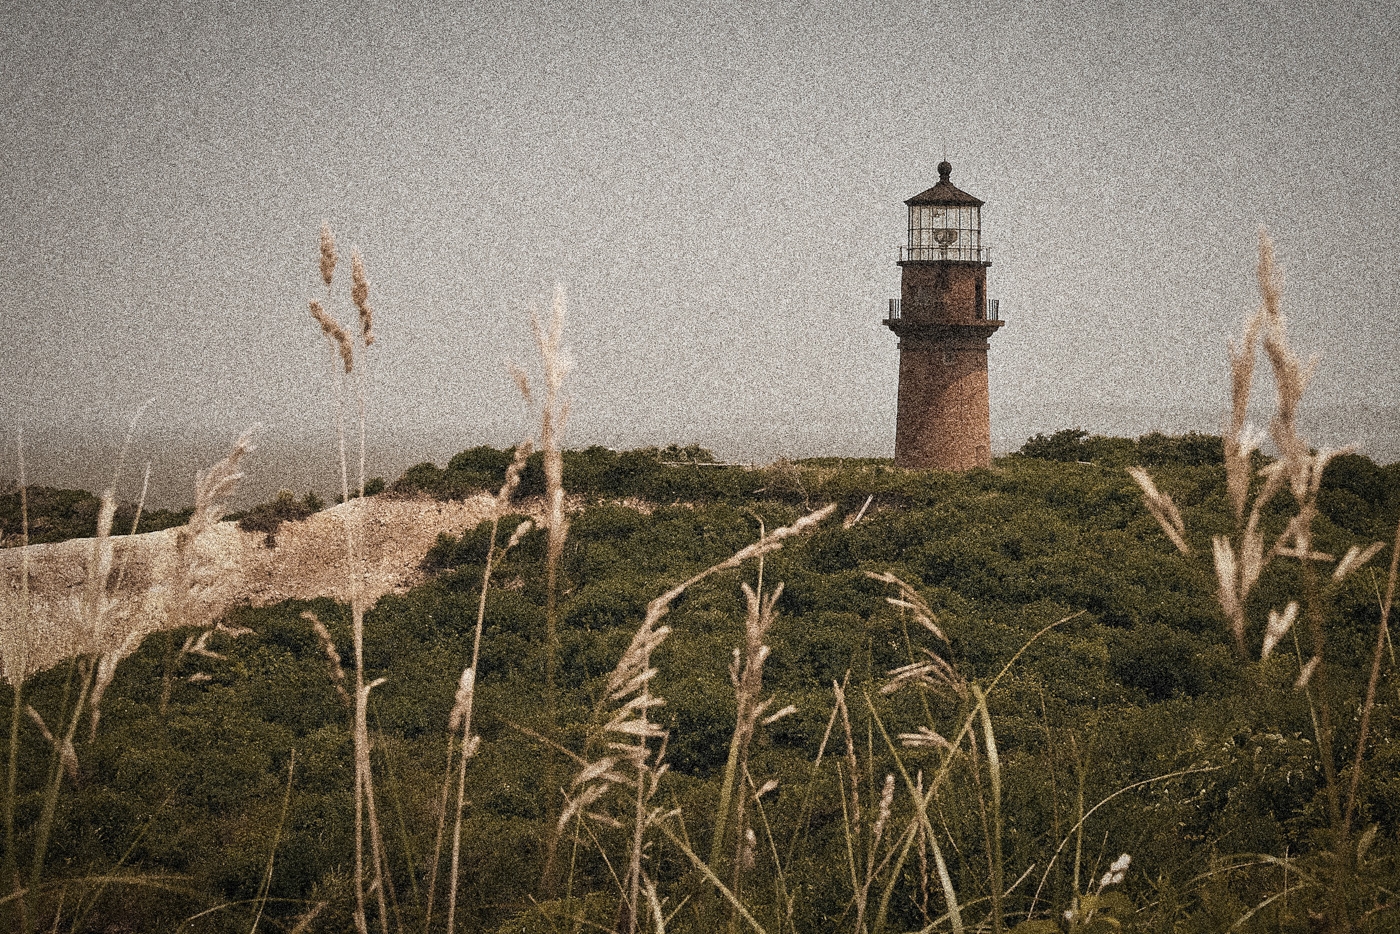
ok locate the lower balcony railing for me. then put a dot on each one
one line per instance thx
(991, 313)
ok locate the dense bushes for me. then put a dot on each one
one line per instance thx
(1136, 684)
(1150, 450)
(57, 515)
(268, 517)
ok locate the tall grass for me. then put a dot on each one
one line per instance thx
(1241, 559)
(100, 645)
(343, 343)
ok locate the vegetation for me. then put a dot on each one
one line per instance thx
(58, 515)
(816, 696)
(284, 507)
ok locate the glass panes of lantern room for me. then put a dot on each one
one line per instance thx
(937, 232)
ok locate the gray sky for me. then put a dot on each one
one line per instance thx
(720, 190)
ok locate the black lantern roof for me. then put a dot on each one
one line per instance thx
(945, 193)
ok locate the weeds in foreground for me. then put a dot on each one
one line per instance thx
(1241, 559)
(343, 343)
(629, 729)
(102, 641)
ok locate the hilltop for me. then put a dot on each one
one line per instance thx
(1134, 680)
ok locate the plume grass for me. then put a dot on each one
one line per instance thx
(1241, 559)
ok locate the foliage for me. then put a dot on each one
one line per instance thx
(58, 515)
(1151, 450)
(1137, 685)
(284, 507)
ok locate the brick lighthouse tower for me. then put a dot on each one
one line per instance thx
(943, 319)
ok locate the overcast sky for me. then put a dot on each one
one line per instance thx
(719, 188)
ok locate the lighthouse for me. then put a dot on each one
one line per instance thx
(943, 319)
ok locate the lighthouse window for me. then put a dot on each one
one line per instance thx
(944, 232)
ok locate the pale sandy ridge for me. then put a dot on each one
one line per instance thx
(310, 559)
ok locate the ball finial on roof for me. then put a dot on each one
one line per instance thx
(945, 168)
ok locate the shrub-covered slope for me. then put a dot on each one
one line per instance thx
(185, 781)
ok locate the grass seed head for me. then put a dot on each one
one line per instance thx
(1227, 579)
(1355, 557)
(359, 292)
(1305, 675)
(1240, 439)
(335, 332)
(924, 738)
(328, 254)
(518, 460)
(1162, 509)
(337, 670)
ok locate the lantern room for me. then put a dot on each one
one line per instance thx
(945, 224)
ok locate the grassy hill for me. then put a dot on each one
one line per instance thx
(1118, 716)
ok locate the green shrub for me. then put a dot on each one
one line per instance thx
(285, 507)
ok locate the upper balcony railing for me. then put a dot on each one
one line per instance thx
(951, 253)
(991, 313)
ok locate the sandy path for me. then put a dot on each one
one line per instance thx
(310, 559)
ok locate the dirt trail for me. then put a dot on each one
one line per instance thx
(232, 567)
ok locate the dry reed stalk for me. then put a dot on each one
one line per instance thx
(359, 295)
(850, 521)
(304, 922)
(135, 525)
(337, 670)
(337, 333)
(94, 674)
(554, 414)
(364, 800)
(99, 569)
(746, 676)
(68, 756)
(364, 778)
(15, 646)
(266, 885)
(933, 672)
(460, 718)
(361, 752)
(462, 709)
(877, 832)
(64, 760)
(921, 795)
(994, 779)
(1368, 705)
(921, 839)
(852, 764)
(212, 489)
(101, 648)
(1241, 559)
(629, 687)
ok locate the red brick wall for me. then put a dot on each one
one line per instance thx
(946, 293)
(944, 415)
